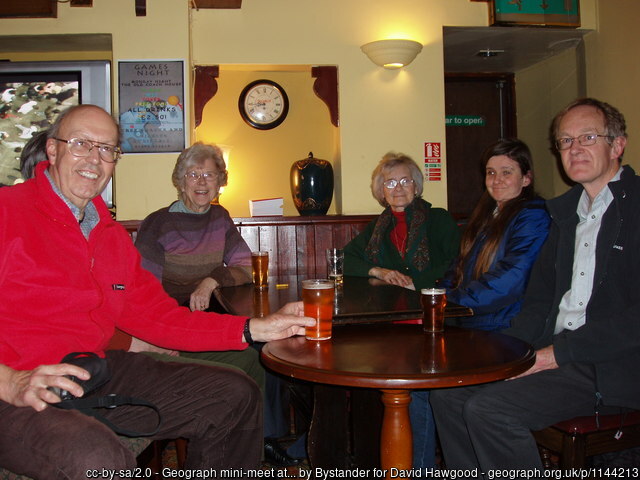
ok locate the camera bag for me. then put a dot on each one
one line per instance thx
(100, 375)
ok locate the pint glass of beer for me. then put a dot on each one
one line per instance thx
(317, 297)
(433, 302)
(260, 268)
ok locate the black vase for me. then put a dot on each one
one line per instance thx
(312, 185)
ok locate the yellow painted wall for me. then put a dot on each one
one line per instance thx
(260, 160)
(543, 90)
(613, 70)
(55, 56)
(611, 75)
(142, 182)
(380, 110)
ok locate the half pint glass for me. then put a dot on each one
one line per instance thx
(317, 296)
(260, 268)
(433, 302)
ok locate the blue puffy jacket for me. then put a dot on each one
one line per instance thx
(496, 297)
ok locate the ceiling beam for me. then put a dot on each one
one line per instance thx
(141, 8)
(32, 8)
(217, 3)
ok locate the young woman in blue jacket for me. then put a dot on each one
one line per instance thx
(499, 246)
(501, 241)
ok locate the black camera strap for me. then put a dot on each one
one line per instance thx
(100, 375)
(89, 406)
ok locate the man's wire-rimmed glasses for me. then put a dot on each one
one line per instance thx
(81, 147)
(564, 143)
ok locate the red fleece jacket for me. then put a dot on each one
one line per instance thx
(62, 293)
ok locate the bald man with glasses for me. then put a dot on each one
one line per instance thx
(69, 275)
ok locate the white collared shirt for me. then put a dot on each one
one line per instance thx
(572, 313)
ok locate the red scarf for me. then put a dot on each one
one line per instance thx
(399, 233)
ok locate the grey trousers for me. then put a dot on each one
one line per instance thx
(489, 426)
(218, 409)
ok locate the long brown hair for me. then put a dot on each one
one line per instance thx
(483, 220)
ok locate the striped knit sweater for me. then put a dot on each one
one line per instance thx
(181, 249)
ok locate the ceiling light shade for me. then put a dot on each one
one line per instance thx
(392, 53)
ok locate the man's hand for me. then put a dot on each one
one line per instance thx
(284, 323)
(545, 360)
(29, 388)
(201, 296)
(392, 276)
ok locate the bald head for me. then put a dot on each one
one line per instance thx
(79, 110)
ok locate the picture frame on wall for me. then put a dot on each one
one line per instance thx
(152, 109)
(33, 94)
(556, 13)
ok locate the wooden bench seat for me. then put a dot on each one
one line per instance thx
(579, 438)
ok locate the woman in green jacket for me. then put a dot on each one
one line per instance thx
(410, 244)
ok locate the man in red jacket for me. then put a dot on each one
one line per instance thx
(69, 275)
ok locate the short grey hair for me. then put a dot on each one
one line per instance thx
(614, 122)
(389, 161)
(196, 154)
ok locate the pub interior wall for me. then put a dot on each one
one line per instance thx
(380, 110)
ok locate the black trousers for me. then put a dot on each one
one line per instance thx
(489, 426)
(218, 409)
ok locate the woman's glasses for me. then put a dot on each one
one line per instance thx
(393, 183)
(193, 177)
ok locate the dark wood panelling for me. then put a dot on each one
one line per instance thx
(296, 245)
(31, 8)
(326, 88)
(206, 86)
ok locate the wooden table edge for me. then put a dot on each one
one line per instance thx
(409, 382)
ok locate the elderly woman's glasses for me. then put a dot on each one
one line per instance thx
(193, 177)
(80, 147)
(564, 143)
(393, 183)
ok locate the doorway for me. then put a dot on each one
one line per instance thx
(480, 109)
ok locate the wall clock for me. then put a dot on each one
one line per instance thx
(263, 104)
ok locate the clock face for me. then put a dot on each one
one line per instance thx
(263, 104)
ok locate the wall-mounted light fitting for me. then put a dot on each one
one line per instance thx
(393, 53)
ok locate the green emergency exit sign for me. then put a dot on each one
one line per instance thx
(464, 121)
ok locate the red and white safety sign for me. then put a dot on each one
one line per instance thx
(432, 162)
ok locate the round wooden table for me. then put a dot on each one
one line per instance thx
(396, 359)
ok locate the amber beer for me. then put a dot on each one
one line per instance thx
(433, 302)
(260, 268)
(261, 306)
(317, 296)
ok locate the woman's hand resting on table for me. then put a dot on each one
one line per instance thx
(393, 277)
(285, 323)
(201, 296)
